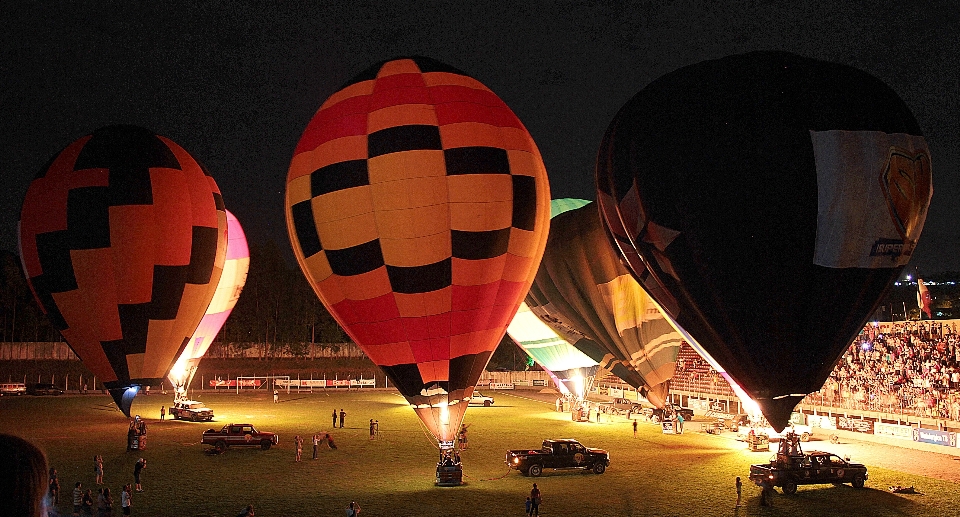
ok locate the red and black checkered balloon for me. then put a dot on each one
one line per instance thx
(418, 205)
(123, 240)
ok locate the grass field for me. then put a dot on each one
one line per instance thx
(652, 475)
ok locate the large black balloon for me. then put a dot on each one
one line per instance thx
(771, 199)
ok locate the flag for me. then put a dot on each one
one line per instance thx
(923, 297)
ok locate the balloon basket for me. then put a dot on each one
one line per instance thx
(449, 475)
(449, 468)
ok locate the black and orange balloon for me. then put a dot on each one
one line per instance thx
(769, 200)
(417, 205)
(123, 240)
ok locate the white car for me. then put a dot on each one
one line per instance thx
(479, 399)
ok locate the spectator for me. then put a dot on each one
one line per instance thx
(77, 497)
(137, 469)
(22, 469)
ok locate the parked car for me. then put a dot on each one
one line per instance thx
(191, 410)
(43, 389)
(479, 399)
(13, 388)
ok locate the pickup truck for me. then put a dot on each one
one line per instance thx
(239, 435)
(558, 454)
(191, 410)
(792, 467)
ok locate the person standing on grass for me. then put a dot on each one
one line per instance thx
(54, 486)
(137, 469)
(634, 428)
(371, 429)
(276, 396)
(246, 512)
(77, 497)
(528, 505)
(86, 504)
(163, 412)
(98, 468)
(535, 499)
(316, 445)
(126, 499)
(334, 418)
(343, 416)
(353, 510)
(299, 442)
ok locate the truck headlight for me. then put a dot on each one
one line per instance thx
(516, 460)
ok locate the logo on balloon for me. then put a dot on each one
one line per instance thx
(906, 187)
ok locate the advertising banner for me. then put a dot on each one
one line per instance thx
(904, 432)
(935, 437)
(855, 424)
(233, 383)
(821, 421)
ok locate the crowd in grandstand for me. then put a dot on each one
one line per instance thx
(910, 368)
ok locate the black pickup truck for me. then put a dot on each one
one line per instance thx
(558, 454)
(792, 467)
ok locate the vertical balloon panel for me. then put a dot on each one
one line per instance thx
(221, 305)
(417, 205)
(123, 240)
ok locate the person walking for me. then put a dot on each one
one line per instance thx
(371, 429)
(334, 418)
(634, 428)
(535, 499)
(126, 499)
(316, 445)
(163, 412)
(343, 416)
(137, 469)
(528, 504)
(739, 491)
(299, 441)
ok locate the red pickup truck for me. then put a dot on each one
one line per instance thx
(239, 434)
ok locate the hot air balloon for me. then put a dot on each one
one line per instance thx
(227, 293)
(574, 370)
(775, 198)
(417, 205)
(583, 284)
(123, 239)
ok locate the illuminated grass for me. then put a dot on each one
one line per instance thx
(654, 474)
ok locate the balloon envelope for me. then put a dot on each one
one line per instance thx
(123, 238)
(574, 370)
(583, 284)
(774, 198)
(417, 205)
(224, 299)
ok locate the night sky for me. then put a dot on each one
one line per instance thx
(236, 83)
